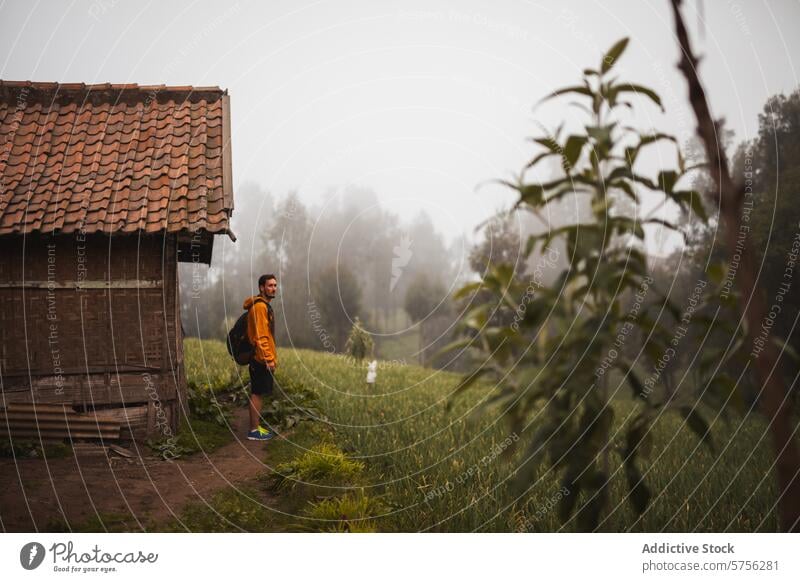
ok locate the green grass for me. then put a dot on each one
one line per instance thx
(243, 508)
(323, 463)
(352, 512)
(403, 347)
(254, 507)
(433, 469)
(209, 366)
(194, 435)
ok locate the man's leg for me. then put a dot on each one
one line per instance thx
(261, 383)
(256, 393)
(256, 401)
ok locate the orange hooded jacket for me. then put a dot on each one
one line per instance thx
(258, 331)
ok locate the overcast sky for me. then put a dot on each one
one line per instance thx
(421, 101)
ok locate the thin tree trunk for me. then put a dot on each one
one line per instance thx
(773, 398)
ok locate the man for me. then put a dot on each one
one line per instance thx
(261, 334)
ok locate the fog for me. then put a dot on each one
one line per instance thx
(366, 135)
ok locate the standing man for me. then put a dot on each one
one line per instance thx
(261, 334)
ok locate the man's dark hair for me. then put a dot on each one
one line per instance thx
(264, 278)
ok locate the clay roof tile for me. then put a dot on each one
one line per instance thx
(113, 158)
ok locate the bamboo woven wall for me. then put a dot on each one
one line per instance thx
(93, 322)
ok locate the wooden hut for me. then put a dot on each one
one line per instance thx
(103, 190)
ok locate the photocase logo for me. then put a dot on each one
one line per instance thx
(402, 255)
(31, 555)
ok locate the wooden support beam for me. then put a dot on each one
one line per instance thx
(78, 285)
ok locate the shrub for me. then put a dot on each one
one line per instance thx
(324, 463)
(353, 513)
(291, 408)
(359, 344)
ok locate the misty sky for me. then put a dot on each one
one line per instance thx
(420, 101)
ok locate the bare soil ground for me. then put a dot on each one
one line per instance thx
(42, 495)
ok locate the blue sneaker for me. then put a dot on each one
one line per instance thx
(260, 434)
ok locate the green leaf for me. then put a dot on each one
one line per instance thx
(580, 90)
(531, 194)
(637, 385)
(622, 172)
(567, 503)
(566, 189)
(693, 200)
(721, 390)
(639, 493)
(467, 290)
(466, 382)
(654, 137)
(610, 58)
(631, 153)
(476, 318)
(550, 143)
(639, 90)
(502, 275)
(670, 306)
(535, 313)
(453, 346)
(539, 158)
(600, 133)
(530, 244)
(572, 150)
(716, 272)
(639, 436)
(625, 225)
(627, 188)
(588, 516)
(532, 458)
(667, 180)
(697, 424)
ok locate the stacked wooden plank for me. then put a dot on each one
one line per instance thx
(54, 422)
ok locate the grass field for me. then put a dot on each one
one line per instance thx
(412, 465)
(210, 367)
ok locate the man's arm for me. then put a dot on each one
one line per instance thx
(263, 350)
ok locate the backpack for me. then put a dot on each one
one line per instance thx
(238, 343)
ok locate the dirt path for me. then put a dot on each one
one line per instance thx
(35, 495)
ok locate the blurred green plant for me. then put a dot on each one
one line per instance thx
(359, 343)
(550, 363)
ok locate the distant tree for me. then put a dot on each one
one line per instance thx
(423, 296)
(500, 247)
(771, 163)
(337, 295)
(501, 244)
(287, 256)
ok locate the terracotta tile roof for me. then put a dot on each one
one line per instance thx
(114, 158)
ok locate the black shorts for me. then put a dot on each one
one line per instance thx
(261, 379)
